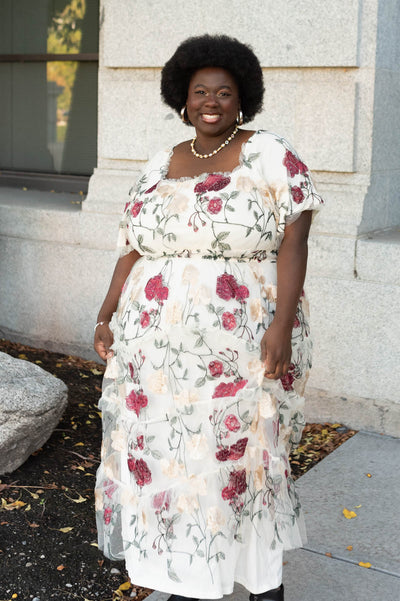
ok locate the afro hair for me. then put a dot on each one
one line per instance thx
(214, 51)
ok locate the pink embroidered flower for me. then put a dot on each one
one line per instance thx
(228, 389)
(236, 486)
(296, 323)
(131, 369)
(214, 205)
(232, 423)
(107, 515)
(226, 286)
(155, 289)
(135, 210)
(144, 319)
(109, 488)
(136, 400)
(152, 188)
(162, 500)
(213, 182)
(293, 164)
(216, 368)
(228, 320)
(241, 293)
(287, 381)
(297, 194)
(140, 442)
(140, 470)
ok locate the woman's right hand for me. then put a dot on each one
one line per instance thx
(103, 339)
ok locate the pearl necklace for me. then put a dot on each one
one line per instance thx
(220, 147)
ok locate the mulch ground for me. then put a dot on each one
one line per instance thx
(48, 546)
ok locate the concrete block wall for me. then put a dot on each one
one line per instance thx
(328, 69)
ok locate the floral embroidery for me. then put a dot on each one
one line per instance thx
(196, 440)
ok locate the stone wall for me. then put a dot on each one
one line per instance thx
(331, 74)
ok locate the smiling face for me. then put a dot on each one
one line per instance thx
(212, 101)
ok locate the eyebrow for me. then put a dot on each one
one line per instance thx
(203, 85)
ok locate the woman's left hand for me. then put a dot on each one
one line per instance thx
(276, 350)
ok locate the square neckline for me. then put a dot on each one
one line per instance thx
(185, 178)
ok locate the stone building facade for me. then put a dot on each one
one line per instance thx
(332, 79)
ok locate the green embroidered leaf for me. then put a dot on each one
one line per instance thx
(199, 382)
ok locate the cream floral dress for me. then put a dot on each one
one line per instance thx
(194, 488)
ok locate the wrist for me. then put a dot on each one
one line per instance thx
(101, 323)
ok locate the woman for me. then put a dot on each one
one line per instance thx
(208, 344)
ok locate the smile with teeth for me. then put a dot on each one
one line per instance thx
(210, 118)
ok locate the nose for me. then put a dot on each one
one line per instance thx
(211, 99)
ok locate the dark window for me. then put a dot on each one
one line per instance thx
(48, 91)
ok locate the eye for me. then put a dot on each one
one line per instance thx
(199, 92)
(224, 94)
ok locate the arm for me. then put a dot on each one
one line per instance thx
(103, 337)
(276, 348)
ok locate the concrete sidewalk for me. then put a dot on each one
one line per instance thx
(341, 481)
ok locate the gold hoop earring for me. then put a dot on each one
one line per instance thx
(183, 117)
(239, 118)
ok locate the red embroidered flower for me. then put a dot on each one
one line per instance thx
(222, 454)
(155, 289)
(107, 515)
(140, 442)
(131, 369)
(144, 319)
(287, 381)
(296, 323)
(135, 210)
(297, 194)
(228, 320)
(152, 188)
(236, 486)
(213, 182)
(214, 205)
(135, 401)
(293, 164)
(237, 450)
(228, 389)
(140, 470)
(242, 292)
(234, 452)
(226, 286)
(216, 368)
(232, 423)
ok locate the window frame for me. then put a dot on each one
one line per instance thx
(46, 181)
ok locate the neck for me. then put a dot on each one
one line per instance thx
(205, 144)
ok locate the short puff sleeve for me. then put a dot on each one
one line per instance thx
(289, 180)
(147, 181)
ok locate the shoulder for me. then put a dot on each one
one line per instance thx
(268, 140)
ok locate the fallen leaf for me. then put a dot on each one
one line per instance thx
(83, 375)
(58, 364)
(125, 586)
(328, 554)
(364, 565)
(61, 567)
(369, 476)
(357, 506)
(96, 372)
(94, 545)
(66, 529)
(100, 562)
(22, 356)
(79, 444)
(33, 525)
(80, 499)
(349, 514)
(28, 507)
(349, 548)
